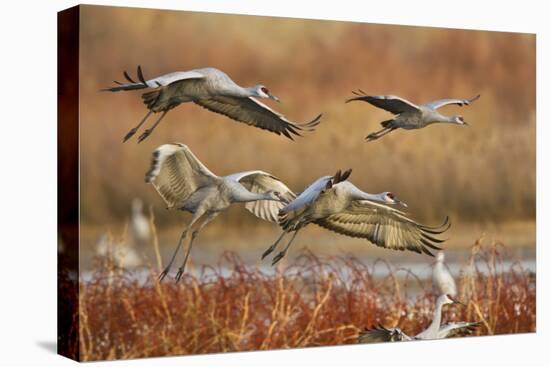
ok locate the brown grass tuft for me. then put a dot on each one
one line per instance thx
(313, 302)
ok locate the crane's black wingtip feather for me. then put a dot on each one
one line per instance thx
(128, 77)
(443, 227)
(433, 239)
(316, 121)
(140, 75)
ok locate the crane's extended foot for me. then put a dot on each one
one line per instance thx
(129, 135)
(144, 136)
(163, 274)
(269, 250)
(179, 274)
(278, 258)
(371, 137)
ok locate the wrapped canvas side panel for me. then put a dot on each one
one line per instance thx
(67, 176)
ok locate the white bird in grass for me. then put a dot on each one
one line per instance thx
(410, 116)
(434, 331)
(140, 230)
(122, 254)
(442, 278)
(186, 184)
(336, 204)
(214, 90)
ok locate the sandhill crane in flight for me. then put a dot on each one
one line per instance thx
(214, 90)
(186, 184)
(408, 115)
(442, 278)
(140, 230)
(434, 331)
(336, 204)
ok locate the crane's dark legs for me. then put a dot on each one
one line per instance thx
(135, 129)
(148, 132)
(378, 134)
(281, 254)
(182, 237)
(193, 236)
(274, 246)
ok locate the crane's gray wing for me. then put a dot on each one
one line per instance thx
(253, 112)
(457, 328)
(380, 334)
(295, 209)
(259, 181)
(160, 81)
(393, 104)
(444, 102)
(384, 227)
(176, 173)
(308, 196)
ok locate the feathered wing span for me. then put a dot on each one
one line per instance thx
(254, 113)
(160, 81)
(393, 104)
(380, 334)
(176, 173)
(308, 196)
(385, 227)
(259, 182)
(457, 328)
(290, 214)
(448, 101)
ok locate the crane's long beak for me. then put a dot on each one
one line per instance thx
(273, 97)
(397, 201)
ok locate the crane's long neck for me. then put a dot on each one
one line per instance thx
(357, 194)
(442, 119)
(250, 91)
(436, 322)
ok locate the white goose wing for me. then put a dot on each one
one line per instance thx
(253, 112)
(176, 173)
(457, 328)
(444, 102)
(380, 334)
(159, 81)
(393, 104)
(259, 181)
(385, 227)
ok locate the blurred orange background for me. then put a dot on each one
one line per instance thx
(482, 176)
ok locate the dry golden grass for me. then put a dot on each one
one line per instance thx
(312, 302)
(485, 173)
